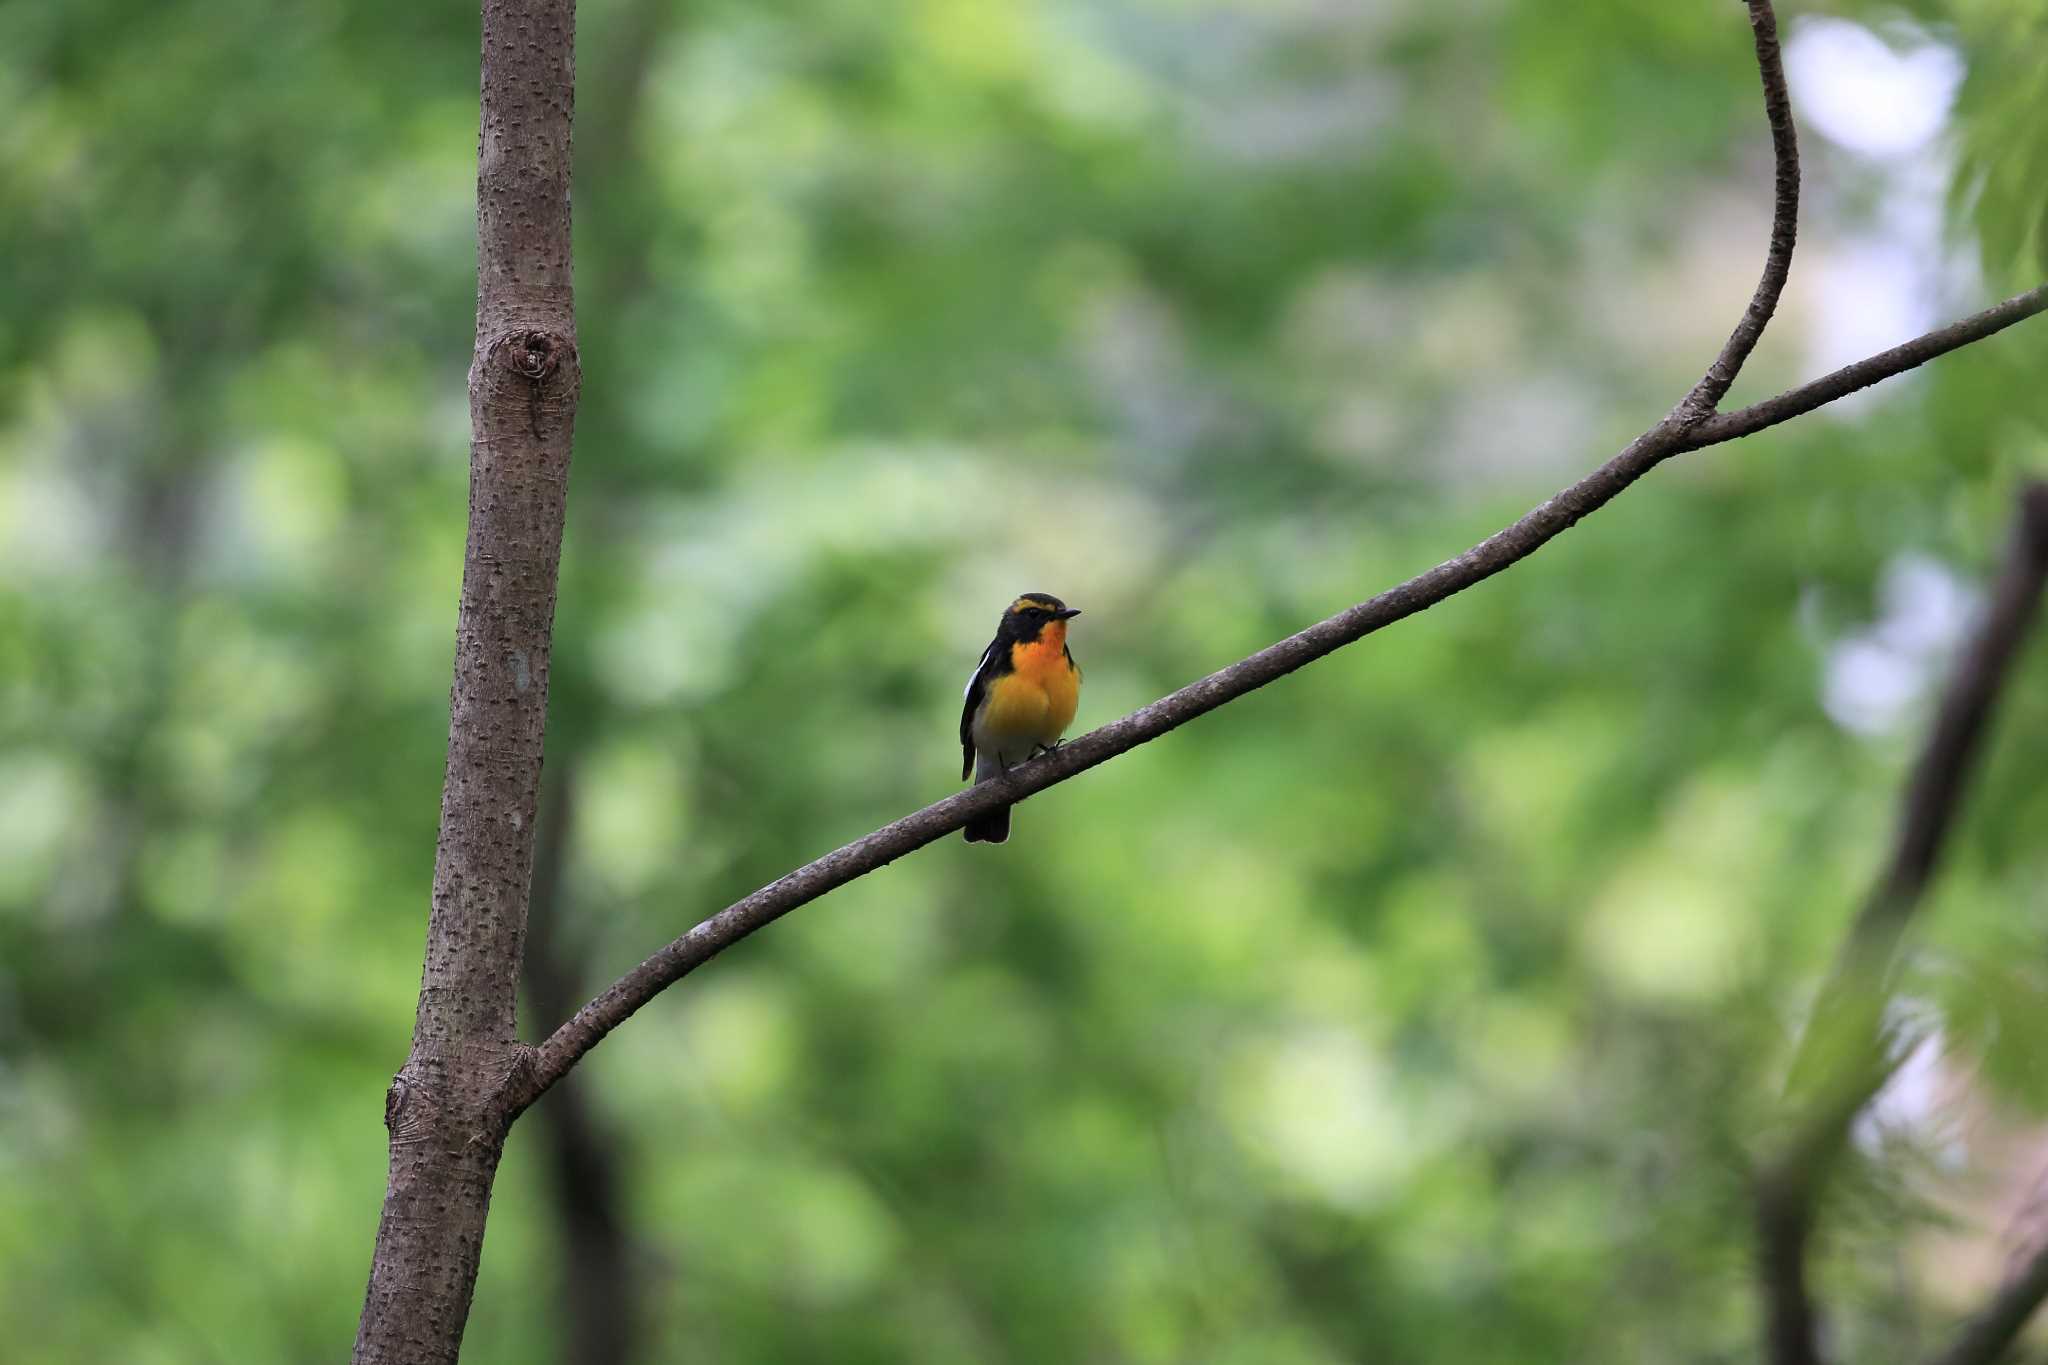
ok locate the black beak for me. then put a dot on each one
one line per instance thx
(1067, 614)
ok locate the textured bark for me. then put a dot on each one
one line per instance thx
(468, 1077)
(446, 1122)
(1706, 395)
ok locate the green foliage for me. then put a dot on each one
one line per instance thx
(2005, 149)
(1422, 1006)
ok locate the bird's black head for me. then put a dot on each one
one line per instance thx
(1031, 613)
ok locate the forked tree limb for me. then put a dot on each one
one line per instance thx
(553, 1058)
(1706, 395)
(1691, 425)
(1842, 1061)
(1818, 393)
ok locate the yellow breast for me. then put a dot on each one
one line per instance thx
(1035, 700)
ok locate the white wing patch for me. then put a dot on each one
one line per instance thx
(968, 690)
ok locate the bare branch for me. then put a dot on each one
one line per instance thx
(1706, 395)
(1497, 552)
(1842, 1059)
(1936, 789)
(1690, 426)
(1784, 1220)
(1849, 379)
(1985, 1337)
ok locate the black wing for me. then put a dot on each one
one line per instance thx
(977, 686)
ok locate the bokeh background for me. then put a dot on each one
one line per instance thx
(1421, 1007)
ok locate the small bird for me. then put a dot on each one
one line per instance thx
(1020, 700)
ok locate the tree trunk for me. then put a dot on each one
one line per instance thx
(446, 1109)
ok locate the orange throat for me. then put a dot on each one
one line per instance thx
(1044, 656)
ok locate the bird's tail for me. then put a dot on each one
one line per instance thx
(993, 828)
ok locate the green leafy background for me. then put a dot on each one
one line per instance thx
(1426, 1005)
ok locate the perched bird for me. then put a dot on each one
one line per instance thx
(1020, 700)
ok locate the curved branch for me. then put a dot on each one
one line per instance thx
(1706, 395)
(1690, 426)
(1508, 546)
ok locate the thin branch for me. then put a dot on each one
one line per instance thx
(1690, 426)
(1935, 792)
(1728, 426)
(1786, 1195)
(1842, 1061)
(1505, 547)
(1784, 1220)
(1984, 1338)
(1706, 395)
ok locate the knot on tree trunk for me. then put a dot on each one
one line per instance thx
(533, 355)
(545, 360)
